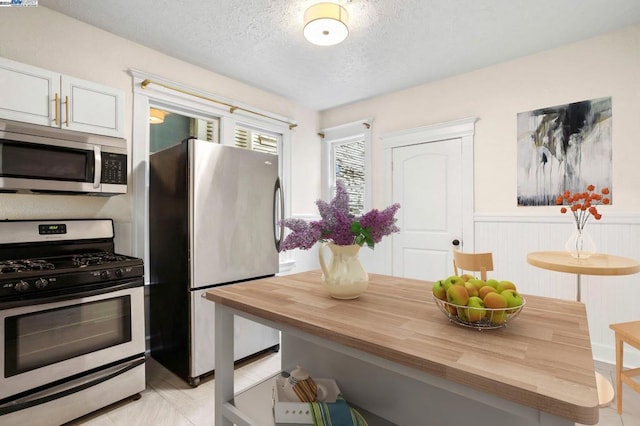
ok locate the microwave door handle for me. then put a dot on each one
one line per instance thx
(97, 175)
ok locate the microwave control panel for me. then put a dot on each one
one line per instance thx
(114, 168)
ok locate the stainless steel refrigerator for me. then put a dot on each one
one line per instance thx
(213, 213)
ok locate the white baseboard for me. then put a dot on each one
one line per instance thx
(606, 353)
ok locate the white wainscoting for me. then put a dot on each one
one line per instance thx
(608, 299)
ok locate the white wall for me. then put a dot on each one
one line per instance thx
(604, 66)
(41, 37)
(607, 65)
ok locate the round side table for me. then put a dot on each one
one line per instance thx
(597, 264)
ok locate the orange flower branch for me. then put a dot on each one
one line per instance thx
(583, 204)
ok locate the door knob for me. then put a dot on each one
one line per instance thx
(455, 242)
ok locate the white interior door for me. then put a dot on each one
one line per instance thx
(427, 182)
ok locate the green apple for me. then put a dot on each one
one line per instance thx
(505, 285)
(486, 290)
(514, 299)
(466, 277)
(477, 282)
(474, 311)
(493, 283)
(471, 289)
(457, 295)
(452, 280)
(498, 317)
(439, 290)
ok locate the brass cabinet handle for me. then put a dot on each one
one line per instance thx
(55, 106)
(66, 103)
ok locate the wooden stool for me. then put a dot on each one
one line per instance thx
(626, 332)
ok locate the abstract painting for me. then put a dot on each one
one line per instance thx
(563, 148)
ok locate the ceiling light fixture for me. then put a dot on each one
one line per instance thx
(326, 24)
(156, 116)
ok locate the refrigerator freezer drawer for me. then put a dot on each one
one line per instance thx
(249, 336)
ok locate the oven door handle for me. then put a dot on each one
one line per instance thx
(63, 295)
(30, 401)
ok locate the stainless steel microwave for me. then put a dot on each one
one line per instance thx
(40, 159)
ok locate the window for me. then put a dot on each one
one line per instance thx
(257, 140)
(348, 164)
(346, 157)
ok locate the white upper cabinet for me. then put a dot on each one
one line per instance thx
(28, 93)
(91, 107)
(39, 96)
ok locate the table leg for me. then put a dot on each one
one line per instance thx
(578, 287)
(619, 360)
(223, 353)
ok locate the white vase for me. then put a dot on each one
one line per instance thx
(580, 244)
(343, 277)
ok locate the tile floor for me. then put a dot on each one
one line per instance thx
(169, 401)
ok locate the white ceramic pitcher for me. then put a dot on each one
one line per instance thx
(344, 277)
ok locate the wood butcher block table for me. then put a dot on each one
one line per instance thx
(596, 264)
(395, 354)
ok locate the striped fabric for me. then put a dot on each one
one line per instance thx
(336, 414)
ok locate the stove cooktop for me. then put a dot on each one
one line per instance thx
(46, 257)
(21, 277)
(62, 263)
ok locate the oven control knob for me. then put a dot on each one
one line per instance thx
(119, 272)
(105, 274)
(21, 286)
(41, 282)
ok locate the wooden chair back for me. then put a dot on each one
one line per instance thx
(475, 262)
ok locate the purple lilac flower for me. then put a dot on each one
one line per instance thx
(328, 217)
(329, 211)
(341, 233)
(334, 212)
(338, 226)
(340, 202)
(304, 235)
(381, 223)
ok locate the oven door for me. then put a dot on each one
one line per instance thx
(48, 341)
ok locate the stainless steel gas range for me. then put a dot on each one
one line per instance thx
(71, 321)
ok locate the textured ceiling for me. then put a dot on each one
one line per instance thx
(392, 45)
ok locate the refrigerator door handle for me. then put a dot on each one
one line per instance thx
(277, 193)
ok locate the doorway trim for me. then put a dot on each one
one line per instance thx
(463, 129)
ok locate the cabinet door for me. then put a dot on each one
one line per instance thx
(92, 108)
(28, 93)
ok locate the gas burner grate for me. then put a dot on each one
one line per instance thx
(86, 259)
(9, 266)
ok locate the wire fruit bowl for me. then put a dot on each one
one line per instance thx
(479, 318)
